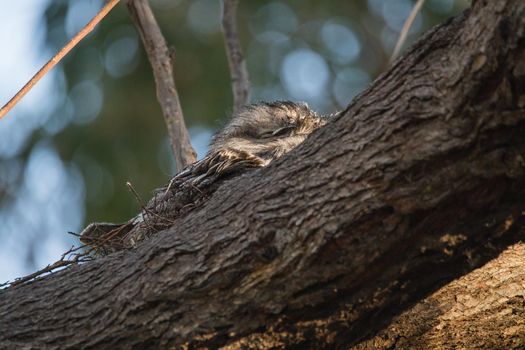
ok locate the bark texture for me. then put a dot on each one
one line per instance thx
(482, 310)
(418, 182)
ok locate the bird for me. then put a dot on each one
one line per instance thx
(254, 137)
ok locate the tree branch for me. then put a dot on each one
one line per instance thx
(409, 188)
(159, 57)
(488, 302)
(238, 71)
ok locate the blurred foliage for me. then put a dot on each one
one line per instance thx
(107, 122)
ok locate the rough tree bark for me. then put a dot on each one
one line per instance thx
(418, 182)
(483, 310)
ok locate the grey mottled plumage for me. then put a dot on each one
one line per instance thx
(257, 135)
(253, 138)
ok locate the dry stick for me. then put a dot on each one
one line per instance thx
(57, 264)
(137, 197)
(106, 237)
(406, 28)
(63, 52)
(238, 71)
(158, 55)
(143, 206)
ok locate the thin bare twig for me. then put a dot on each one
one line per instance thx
(63, 262)
(143, 206)
(108, 236)
(74, 234)
(61, 54)
(238, 71)
(159, 57)
(137, 197)
(406, 27)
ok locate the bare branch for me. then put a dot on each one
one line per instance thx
(74, 258)
(160, 60)
(406, 27)
(58, 57)
(238, 71)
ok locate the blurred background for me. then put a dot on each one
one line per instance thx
(94, 123)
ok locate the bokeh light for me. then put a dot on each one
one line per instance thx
(305, 74)
(342, 42)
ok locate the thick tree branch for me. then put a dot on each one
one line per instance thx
(411, 187)
(238, 71)
(159, 57)
(489, 302)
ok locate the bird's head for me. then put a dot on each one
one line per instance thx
(268, 121)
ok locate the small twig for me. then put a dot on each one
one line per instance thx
(110, 235)
(159, 57)
(74, 234)
(196, 188)
(57, 264)
(169, 187)
(238, 71)
(63, 52)
(137, 197)
(406, 27)
(143, 206)
(72, 250)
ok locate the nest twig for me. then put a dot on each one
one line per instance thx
(73, 259)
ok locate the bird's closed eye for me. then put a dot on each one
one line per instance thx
(279, 132)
